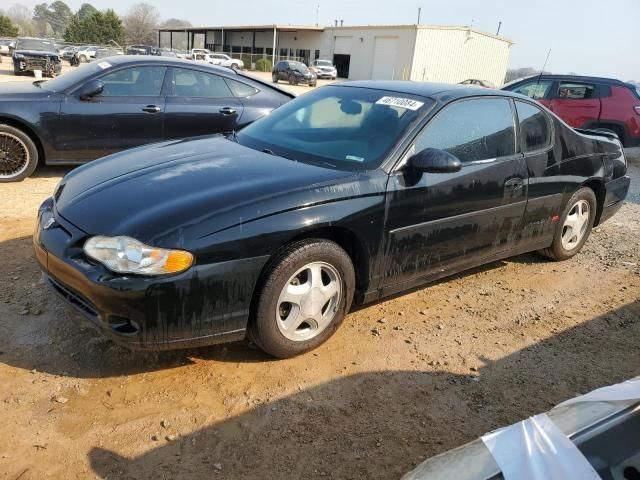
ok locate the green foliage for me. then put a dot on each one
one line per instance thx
(86, 10)
(7, 28)
(263, 65)
(57, 15)
(100, 28)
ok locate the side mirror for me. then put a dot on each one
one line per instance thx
(91, 89)
(432, 160)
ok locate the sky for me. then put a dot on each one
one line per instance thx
(589, 37)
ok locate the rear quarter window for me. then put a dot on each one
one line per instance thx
(535, 129)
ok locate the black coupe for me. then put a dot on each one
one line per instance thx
(121, 102)
(349, 193)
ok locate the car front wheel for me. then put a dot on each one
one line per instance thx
(306, 295)
(574, 226)
(18, 154)
(274, 77)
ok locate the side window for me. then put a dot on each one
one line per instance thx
(535, 129)
(192, 83)
(576, 91)
(241, 89)
(472, 130)
(134, 81)
(535, 89)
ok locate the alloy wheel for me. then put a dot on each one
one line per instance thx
(309, 301)
(576, 224)
(14, 155)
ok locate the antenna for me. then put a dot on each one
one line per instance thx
(419, 11)
(499, 25)
(543, 66)
(317, 13)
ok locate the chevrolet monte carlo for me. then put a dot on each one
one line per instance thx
(344, 195)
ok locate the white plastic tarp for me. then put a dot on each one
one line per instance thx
(620, 392)
(536, 449)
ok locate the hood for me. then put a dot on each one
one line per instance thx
(169, 193)
(35, 53)
(22, 91)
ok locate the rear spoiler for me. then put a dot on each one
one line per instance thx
(599, 132)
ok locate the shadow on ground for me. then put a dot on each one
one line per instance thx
(378, 425)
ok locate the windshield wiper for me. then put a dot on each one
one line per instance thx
(269, 151)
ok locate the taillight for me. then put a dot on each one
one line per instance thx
(637, 109)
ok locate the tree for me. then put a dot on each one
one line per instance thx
(86, 10)
(58, 15)
(7, 28)
(21, 17)
(517, 73)
(141, 23)
(100, 27)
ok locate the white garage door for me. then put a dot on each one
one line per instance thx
(384, 53)
(342, 45)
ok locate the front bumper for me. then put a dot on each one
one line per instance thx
(29, 64)
(616, 193)
(321, 74)
(205, 305)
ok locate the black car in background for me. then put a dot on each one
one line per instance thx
(349, 193)
(122, 102)
(32, 54)
(294, 72)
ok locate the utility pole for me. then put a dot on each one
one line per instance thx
(419, 12)
(499, 25)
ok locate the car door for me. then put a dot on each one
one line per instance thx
(128, 113)
(576, 103)
(439, 222)
(199, 103)
(539, 89)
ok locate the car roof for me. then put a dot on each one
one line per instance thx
(576, 78)
(428, 89)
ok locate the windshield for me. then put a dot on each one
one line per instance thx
(340, 127)
(323, 63)
(72, 77)
(35, 44)
(300, 67)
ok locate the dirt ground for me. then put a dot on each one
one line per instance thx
(402, 380)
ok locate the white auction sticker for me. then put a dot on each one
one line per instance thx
(400, 102)
(104, 65)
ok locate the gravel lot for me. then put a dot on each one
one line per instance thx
(402, 380)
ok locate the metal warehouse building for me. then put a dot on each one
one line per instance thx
(379, 52)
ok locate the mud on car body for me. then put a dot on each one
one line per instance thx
(347, 194)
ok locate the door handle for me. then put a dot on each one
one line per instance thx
(151, 109)
(227, 111)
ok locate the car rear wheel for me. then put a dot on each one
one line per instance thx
(18, 154)
(83, 59)
(574, 226)
(306, 295)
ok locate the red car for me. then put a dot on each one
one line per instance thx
(588, 102)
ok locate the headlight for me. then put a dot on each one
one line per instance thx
(18, 56)
(128, 255)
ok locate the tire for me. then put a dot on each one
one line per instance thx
(313, 84)
(13, 144)
(234, 66)
(274, 78)
(292, 80)
(319, 274)
(82, 59)
(565, 245)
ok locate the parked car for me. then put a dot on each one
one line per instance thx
(226, 61)
(352, 192)
(294, 72)
(478, 83)
(588, 102)
(141, 50)
(122, 102)
(67, 53)
(32, 54)
(166, 52)
(107, 52)
(84, 54)
(5, 46)
(324, 69)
